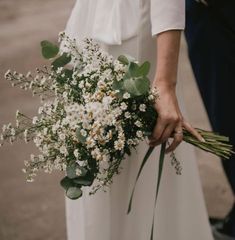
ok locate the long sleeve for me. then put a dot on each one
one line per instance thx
(167, 15)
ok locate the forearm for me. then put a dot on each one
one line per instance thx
(168, 44)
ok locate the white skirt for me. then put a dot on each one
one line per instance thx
(180, 212)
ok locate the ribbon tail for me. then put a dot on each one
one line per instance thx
(160, 169)
(148, 153)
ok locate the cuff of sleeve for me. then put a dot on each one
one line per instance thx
(160, 29)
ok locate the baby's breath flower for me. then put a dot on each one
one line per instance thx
(126, 95)
(119, 144)
(139, 134)
(142, 107)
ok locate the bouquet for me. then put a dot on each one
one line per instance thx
(94, 110)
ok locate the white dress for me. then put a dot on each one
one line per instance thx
(180, 212)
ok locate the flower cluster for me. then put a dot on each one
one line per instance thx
(94, 110)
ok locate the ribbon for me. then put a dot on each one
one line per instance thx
(160, 169)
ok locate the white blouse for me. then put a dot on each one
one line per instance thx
(111, 21)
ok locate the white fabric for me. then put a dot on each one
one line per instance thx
(112, 21)
(180, 213)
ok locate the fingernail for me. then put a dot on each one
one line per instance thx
(203, 139)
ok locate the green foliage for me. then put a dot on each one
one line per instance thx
(74, 193)
(137, 86)
(49, 50)
(66, 183)
(71, 171)
(61, 61)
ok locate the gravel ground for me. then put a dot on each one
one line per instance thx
(36, 211)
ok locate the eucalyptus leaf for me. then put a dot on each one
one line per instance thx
(83, 181)
(137, 86)
(133, 69)
(66, 183)
(71, 171)
(143, 70)
(49, 50)
(123, 59)
(61, 61)
(74, 193)
(126, 59)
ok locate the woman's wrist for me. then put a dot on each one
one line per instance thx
(163, 83)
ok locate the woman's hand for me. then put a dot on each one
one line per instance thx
(170, 121)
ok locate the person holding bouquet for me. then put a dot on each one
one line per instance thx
(210, 34)
(146, 30)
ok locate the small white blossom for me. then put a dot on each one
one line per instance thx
(76, 153)
(63, 150)
(119, 144)
(83, 132)
(138, 123)
(126, 95)
(139, 134)
(35, 119)
(123, 106)
(127, 114)
(142, 107)
(62, 136)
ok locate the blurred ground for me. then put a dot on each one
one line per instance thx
(36, 211)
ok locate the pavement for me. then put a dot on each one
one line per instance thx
(36, 211)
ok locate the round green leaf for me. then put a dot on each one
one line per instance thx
(66, 183)
(144, 69)
(74, 193)
(137, 86)
(71, 171)
(49, 50)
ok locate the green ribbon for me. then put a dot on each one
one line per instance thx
(160, 169)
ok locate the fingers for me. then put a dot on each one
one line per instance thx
(155, 139)
(193, 131)
(177, 139)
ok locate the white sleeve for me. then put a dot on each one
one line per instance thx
(167, 15)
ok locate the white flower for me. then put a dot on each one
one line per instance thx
(40, 110)
(65, 95)
(107, 100)
(62, 136)
(76, 153)
(59, 70)
(35, 119)
(63, 150)
(127, 115)
(119, 144)
(13, 132)
(78, 171)
(130, 142)
(126, 95)
(151, 97)
(138, 123)
(83, 132)
(81, 84)
(17, 113)
(142, 107)
(123, 106)
(139, 134)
